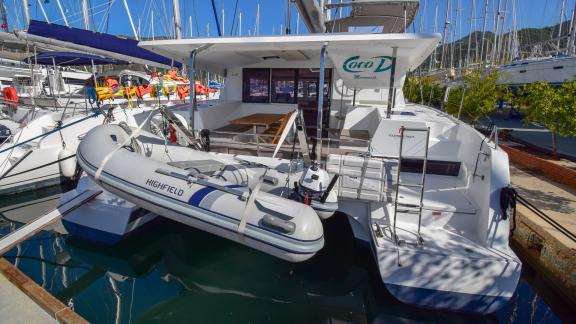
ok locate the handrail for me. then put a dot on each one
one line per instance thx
(50, 132)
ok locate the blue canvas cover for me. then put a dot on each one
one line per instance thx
(101, 41)
(70, 58)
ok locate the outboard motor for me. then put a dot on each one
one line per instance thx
(315, 189)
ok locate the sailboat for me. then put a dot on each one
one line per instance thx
(555, 69)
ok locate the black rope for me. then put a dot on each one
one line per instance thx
(548, 219)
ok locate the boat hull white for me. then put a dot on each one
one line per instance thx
(105, 220)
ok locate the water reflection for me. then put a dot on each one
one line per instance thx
(172, 273)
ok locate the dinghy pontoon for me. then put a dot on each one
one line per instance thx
(281, 227)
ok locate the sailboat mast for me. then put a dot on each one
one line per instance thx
(484, 30)
(152, 22)
(470, 32)
(560, 26)
(288, 16)
(572, 41)
(257, 29)
(223, 19)
(26, 13)
(177, 20)
(240, 24)
(297, 23)
(445, 34)
(434, 56)
(515, 48)
(3, 16)
(85, 16)
(191, 26)
(501, 49)
(496, 25)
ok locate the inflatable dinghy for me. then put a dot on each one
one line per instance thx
(278, 226)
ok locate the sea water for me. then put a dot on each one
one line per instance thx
(175, 274)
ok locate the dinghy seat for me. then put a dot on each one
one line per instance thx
(201, 166)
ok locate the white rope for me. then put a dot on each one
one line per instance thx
(135, 133)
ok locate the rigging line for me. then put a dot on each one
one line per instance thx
(149, 14)
(106, 18)
(164, 21)
(71, 21)
(234, 19)
(147, 24)
(144, 24)
(196, 17)
(91, 9)
(110, 4)
(78, 12)
(216, 18)
(75, 13)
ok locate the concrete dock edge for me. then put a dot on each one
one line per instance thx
(55, 308)
(547, 254)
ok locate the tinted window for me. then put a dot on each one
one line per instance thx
(284, 85)
(446, 168)
(256, 85)
(74, 81)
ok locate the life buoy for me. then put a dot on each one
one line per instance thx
(111, 82)
(183, 91)
(10, 96)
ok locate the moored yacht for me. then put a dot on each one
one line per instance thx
(422, 188)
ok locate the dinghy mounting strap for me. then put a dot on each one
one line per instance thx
(248, 209)
(194, 178)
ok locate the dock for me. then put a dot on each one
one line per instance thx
(21, 299)
(24, 301)
(544, 231)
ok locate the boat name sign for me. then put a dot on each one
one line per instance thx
(371, 70)
(356, 64)
(165, 187)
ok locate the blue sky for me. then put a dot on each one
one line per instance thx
(535, 13)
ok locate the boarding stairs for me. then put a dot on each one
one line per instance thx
(405, 208)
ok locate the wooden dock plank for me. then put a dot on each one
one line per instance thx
(28, 230)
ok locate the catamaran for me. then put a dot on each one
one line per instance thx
(420, 187)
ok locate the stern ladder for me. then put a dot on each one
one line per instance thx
(411, 208)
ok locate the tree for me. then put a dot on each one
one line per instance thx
(554, 107)
(482, 95)
(453, 101)
(423, 90)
